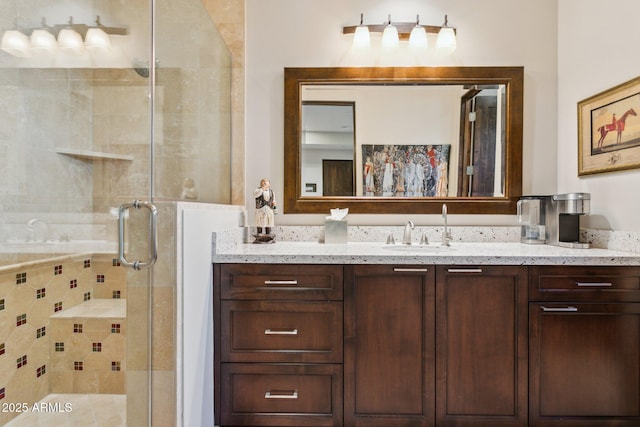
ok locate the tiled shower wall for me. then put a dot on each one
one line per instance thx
(62, 329)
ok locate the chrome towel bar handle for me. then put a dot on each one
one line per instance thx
(153, 235)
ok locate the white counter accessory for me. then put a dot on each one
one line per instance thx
(335, 226)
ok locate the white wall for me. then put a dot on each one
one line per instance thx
(597, 49)
(294, 33)
(194, 292)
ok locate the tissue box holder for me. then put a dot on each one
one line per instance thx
(335, 231)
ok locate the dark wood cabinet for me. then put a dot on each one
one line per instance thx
(481, 342)
(426, 345)
(279, 344)
(584, 343)
(389, 346)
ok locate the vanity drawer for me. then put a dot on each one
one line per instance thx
(281, 281)
(584, 283)
(281, 331)
(281, 395)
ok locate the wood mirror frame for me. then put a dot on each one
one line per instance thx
(511, 77)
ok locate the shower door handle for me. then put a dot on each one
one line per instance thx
(153, 235)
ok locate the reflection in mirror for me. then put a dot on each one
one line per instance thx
(482, 145)
(327, 152)
(445, 140)
(421, 136)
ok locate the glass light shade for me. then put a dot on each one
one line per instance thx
(446, 41)
(42, 41)
(361, 38)
(390, 37)
(15, 43)
(70, 41)
(418, 37)
(97, 39)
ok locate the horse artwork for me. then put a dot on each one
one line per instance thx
(616, 125)
(609, 130)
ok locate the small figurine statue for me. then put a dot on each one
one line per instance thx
(265, 210)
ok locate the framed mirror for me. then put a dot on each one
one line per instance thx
(404, 139)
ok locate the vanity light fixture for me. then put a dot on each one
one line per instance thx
(96, 39)
(416, 33)
(68, 37)
(43, 42)
(361, 38)
(70, 41)
(15, 43)
(390, 39)
(446, 41)
(418, 36)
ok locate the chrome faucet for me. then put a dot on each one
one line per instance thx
(446, 234)
(406, 237)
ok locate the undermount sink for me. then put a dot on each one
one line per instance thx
(419, 248)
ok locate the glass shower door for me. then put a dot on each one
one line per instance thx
(90, 142)
(76, 143)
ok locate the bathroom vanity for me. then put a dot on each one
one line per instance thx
(478, 335)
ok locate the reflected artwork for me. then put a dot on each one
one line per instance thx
(405, 170)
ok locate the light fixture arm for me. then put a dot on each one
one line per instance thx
(83, 28)
(404, 28)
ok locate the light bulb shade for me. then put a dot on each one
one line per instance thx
(418, 37)
(70, 41)
(43, 42)
(97, 39)
(361, 38)
(15, 43)
(390, 37)
(446, 41)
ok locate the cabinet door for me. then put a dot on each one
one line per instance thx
(481, 346)
(389, 346)
(585, 364)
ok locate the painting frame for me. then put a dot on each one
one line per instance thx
(405, 170)
(607, 142)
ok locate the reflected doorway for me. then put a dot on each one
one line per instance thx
(482, 153)
(337, 178)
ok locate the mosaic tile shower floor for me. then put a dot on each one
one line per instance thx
(71, 410)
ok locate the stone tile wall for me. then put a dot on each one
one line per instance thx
(62, 329)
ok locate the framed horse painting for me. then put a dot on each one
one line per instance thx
(609, 130)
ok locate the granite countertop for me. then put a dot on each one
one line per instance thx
(459, 253)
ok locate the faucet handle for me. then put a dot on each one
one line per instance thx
(424, 240)
(391, 240)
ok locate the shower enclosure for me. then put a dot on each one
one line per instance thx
(91, 135)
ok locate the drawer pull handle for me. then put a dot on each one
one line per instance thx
(411, 270)
(594, 284)
(464, 270)
(280, 282)
(281, 332)
(559, 309)
(292, 394)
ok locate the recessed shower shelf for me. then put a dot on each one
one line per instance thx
(93, 155)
